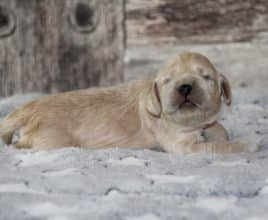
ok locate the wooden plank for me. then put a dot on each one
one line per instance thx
(51, 45)
(245, 64)
(196, 21)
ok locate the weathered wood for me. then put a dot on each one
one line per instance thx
(196, 21)
(51, 45)
(245, 64)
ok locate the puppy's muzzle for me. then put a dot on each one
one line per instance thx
(185, 89)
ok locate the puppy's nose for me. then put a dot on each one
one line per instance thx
(185, 89)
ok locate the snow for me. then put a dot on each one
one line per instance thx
(36, 158)
(256, 218)
(215, 204)
(129, 161)
(49, 210)
(230, 163)
(172, 178)
(65, 172)
(264, 190)
(123, 184)
(16, 188)
(144, 217)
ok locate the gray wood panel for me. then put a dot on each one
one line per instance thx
(196, 21)
(51, 45)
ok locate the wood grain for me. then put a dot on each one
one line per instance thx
(245, 64)
(196, 21)
(51, 46)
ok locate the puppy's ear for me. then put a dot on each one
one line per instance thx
(225, 90)
(154, 102)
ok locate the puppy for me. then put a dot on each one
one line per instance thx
(177, 110)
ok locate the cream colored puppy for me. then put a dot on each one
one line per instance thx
(176, 110)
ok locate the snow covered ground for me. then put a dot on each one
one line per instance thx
(140, 185)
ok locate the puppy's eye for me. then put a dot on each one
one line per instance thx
(167, 80)
(207, 77)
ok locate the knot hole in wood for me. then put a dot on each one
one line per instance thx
(7, 22)
(84, 18)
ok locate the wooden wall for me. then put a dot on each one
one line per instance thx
(53, 45)
(196, 21)
(233, 34)
(60, 45)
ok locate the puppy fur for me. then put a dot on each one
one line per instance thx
(142, 114)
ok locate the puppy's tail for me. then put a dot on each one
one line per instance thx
(14, 121)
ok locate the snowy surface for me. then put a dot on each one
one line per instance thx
(140, 185)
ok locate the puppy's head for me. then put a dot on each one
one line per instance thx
(188, 91)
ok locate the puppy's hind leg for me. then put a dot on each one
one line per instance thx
(47, 139)
(221, 147)
(23, 142)
(23, 137)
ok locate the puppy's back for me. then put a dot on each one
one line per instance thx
(93, 118)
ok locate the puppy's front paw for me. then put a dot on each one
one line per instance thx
(254, 142)
(201, 137)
